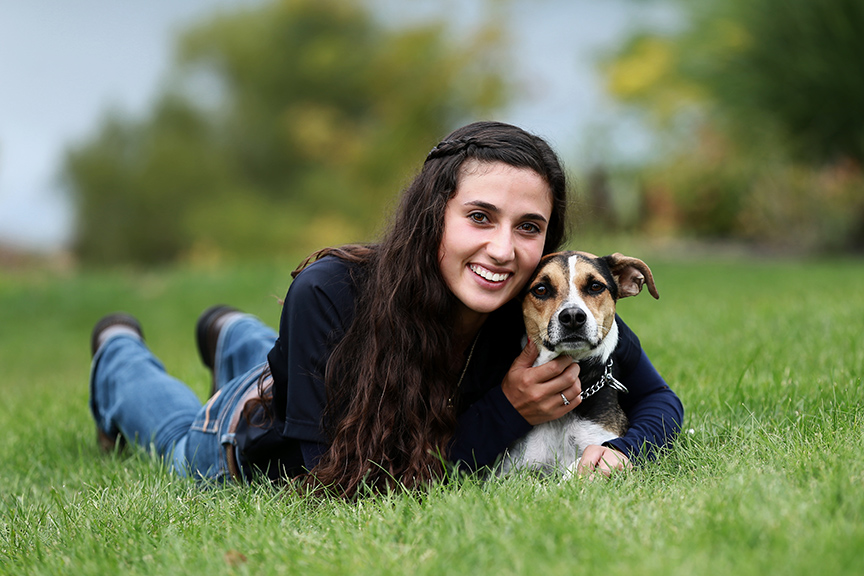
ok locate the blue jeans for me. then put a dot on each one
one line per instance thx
(132, 394)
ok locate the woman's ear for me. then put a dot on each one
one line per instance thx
(630, 274)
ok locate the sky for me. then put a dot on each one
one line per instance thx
(63, 65)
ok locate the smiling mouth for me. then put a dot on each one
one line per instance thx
(488, 275)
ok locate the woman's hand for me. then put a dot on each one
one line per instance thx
(602, 460)
(536, 392)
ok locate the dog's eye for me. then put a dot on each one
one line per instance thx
(596, 288)
(540, 290)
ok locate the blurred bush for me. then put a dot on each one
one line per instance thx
(759, 107)
(283, 128)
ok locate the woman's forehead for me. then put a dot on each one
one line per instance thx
(504, 186)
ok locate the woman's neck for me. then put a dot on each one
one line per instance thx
(466, 329)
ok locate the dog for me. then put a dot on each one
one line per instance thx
(569, 308)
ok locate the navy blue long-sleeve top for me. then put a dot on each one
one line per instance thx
(319, 309)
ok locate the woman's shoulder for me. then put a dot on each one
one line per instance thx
(328, 279)
(326, 271)
(325, 266)
(629, 348)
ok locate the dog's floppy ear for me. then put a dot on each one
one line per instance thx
(630, 274)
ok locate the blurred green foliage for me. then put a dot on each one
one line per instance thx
(284, 128)
(760, 105)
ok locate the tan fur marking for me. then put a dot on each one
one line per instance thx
(537, 312)
(601, 306)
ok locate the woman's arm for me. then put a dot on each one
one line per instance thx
(485, 430)
(654, 410)
(655, 419)
(527, 396)
(492, 423)
(318, 307)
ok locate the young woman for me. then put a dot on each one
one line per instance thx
(392, 359)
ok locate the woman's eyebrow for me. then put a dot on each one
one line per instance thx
(494, 209)
(482, 204)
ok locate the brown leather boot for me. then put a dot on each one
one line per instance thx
(118, 321)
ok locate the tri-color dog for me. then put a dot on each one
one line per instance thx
(569, 308)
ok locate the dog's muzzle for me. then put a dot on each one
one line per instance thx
(569, 331)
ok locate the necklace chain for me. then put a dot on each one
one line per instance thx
(464, 369)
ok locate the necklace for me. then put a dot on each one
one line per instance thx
(465, 368)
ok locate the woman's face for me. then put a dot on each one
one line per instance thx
(494, 232)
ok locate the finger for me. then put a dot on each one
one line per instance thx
(555, 368)
(586, 463)
(611, 463)
(528, 355)
(571, 378)
(608, 462)
(591, 457)
(607, 465)
(569, 385)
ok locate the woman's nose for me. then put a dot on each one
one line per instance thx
(500, 247)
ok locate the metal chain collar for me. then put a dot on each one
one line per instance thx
(607, 378)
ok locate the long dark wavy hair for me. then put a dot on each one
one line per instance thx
(390, 377)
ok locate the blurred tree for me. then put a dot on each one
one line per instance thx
(284, 127)
(759, 103)
(783, 70)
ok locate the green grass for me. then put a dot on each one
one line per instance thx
(768, 479)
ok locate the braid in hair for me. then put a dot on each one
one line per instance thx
(464, 146)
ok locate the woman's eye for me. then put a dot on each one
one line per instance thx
(530, 227)
(539, 290)
(478, 217)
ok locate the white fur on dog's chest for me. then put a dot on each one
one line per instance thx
(554, 445)
(558, 444)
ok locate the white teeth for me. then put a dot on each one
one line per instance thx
(490, 276)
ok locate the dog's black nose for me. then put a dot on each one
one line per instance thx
(572, 317)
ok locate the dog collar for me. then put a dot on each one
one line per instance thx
(607, 378)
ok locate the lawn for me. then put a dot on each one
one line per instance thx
(768, 477)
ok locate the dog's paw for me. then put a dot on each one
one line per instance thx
(571, 471)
